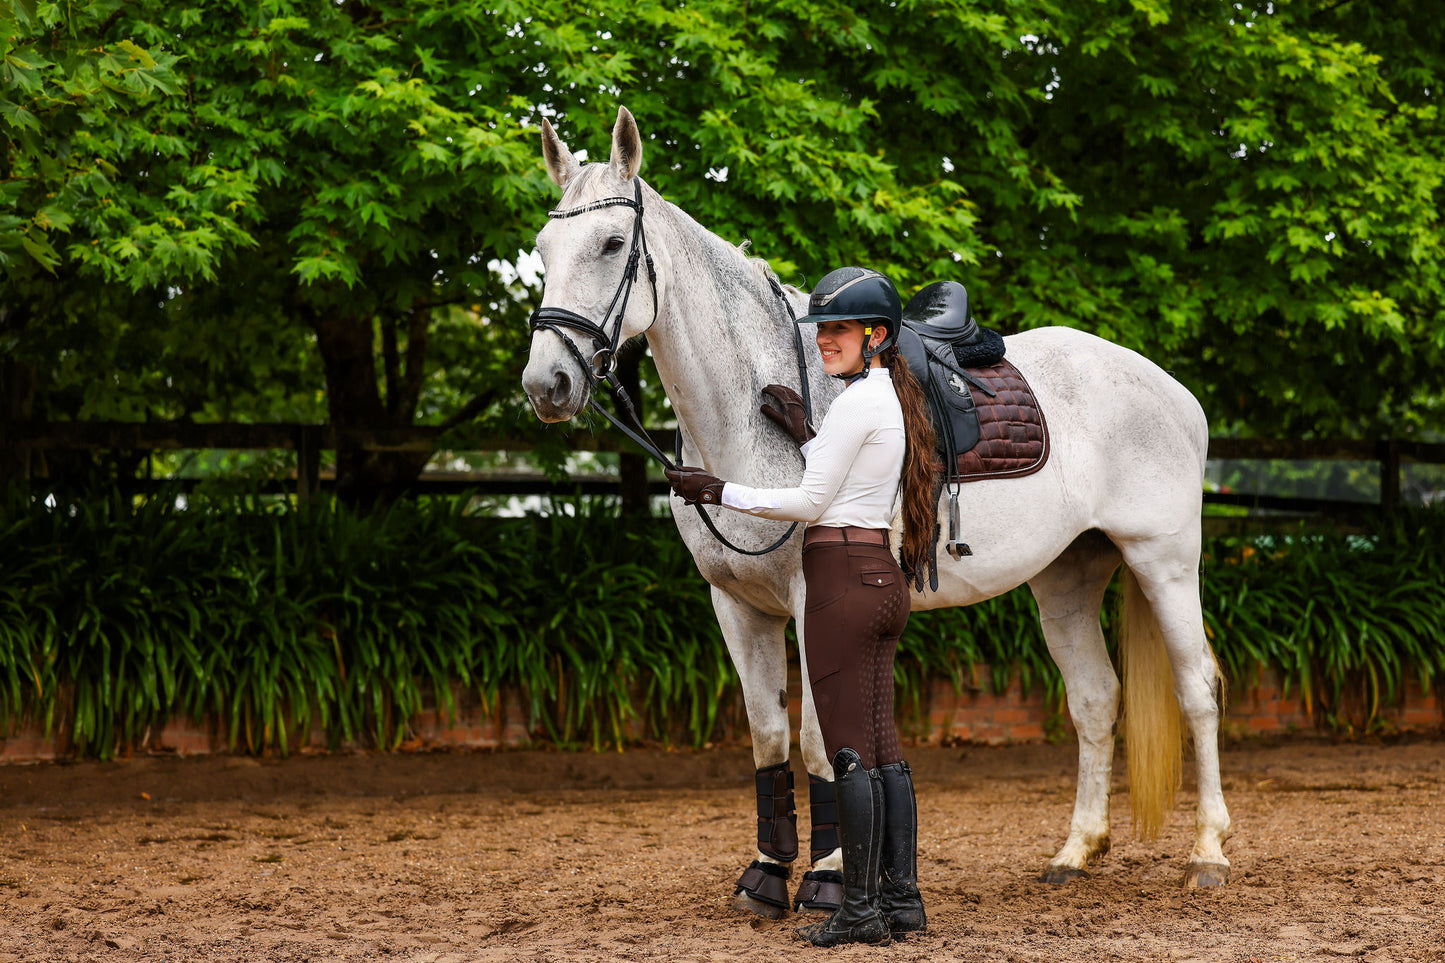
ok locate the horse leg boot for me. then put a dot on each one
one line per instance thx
(860, 826)
(821, 890)
(899, 899)
(763, 887)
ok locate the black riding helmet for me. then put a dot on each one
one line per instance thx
(857, 294)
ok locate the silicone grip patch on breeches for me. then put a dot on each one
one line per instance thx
(777, 814)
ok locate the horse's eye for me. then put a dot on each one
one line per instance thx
(613, 245)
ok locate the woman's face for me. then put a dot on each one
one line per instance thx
(841, 344)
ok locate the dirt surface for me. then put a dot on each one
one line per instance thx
(1339, 851)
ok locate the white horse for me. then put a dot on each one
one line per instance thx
(1122, 485)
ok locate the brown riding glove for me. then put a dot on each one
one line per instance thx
(791, 414)
(695, 485)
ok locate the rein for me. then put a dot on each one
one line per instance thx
(601, 368)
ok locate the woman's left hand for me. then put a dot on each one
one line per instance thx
(694, 485)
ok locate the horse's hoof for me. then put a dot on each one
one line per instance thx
(1200, 875)
(1062, 875)
(743, 903)
(762, 889)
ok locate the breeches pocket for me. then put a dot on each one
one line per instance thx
(876, 575)
(823, 623)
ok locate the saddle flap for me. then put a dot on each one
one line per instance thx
(949, 400)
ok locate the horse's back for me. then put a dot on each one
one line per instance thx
(1129, 439)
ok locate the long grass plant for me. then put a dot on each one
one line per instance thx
(118, 614)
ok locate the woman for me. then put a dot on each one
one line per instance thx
(874, 447)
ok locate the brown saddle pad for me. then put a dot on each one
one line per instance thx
(1013, 436)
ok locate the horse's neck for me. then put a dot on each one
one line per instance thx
(716, 343)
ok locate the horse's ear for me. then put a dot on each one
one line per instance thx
(626, 146)
(560, 162)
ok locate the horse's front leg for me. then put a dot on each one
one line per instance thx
(756, 643)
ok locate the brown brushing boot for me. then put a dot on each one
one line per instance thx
(763, 887)
(821, 890)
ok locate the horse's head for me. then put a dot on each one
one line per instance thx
(600, 286)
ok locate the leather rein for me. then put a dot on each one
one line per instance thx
(601, 368)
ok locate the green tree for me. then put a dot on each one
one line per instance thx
(324, 179)
(1249, 195)
(202, 193)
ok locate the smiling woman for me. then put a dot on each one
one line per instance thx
(874, 446)
(841, 345)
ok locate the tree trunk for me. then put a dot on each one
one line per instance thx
(365, 480)
(16, 397)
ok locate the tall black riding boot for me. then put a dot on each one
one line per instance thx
(860, 826)
(899, 899)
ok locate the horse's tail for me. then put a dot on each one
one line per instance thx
(1153, 730)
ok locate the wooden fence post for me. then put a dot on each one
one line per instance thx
(1388, 453)
(308, 462)
(631, 464)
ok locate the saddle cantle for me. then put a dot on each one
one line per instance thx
(989, 424)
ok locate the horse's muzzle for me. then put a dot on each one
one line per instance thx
(555, 392)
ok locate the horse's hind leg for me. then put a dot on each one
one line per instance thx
(755, 642)
(1167, 573)
(1070, 593)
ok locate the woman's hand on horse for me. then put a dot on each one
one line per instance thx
(694, 485)
(791, 414)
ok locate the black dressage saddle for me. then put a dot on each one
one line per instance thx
(989, 424)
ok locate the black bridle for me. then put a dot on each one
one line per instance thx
(604, 358)
(601, 367)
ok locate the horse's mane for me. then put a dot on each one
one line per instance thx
(764, 269)
(578, 185)
(591, 183)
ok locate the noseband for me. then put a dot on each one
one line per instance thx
(602, 365)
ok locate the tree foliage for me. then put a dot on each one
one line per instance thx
(216, 208)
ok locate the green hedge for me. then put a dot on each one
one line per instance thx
(1342, 619)
(117, 614)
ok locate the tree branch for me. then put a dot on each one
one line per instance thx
(469, 410)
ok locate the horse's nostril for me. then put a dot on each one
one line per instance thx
(561, 389)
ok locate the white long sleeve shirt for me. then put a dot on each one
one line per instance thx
(852, 468)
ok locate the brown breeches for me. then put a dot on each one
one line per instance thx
(857, 607)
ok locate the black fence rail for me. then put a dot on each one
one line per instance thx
(309, 441)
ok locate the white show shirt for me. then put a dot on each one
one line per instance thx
(852, 468)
